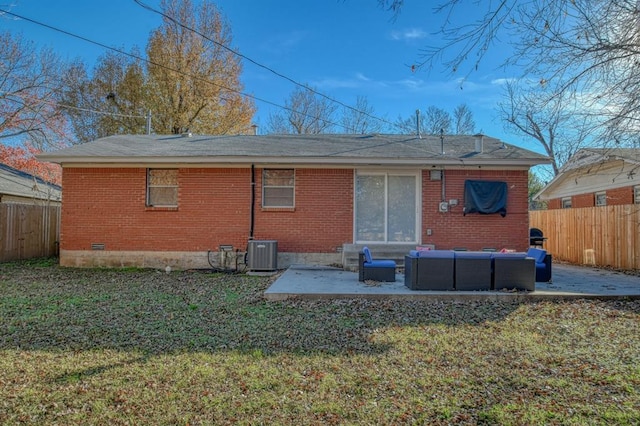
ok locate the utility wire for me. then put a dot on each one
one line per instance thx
(122, 52)
(235, 52)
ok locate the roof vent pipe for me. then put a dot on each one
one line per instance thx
(442, 141)
(418, 123)
(255, 129)
(479, 143)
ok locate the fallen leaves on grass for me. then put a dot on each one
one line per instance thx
(140, 346)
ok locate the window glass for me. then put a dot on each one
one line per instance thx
(566, 203)
(386, 208)
(278, 188)
(162, 187)
(636, 194)
(601, 198)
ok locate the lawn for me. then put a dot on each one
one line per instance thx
(135, 346)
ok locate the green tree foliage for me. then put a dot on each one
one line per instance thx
(118, 88)
(535, 186)
(194, 81)
(188, 81)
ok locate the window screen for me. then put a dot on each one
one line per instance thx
(278, 188)
(162, 187)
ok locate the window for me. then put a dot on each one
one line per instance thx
(601, 198)
(566, 203)
(386, 207)
(636, 194)
(162, 187)
(278, 188)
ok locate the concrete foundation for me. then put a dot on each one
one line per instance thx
(181, 260)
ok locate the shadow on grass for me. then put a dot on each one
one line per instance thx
(53, 308)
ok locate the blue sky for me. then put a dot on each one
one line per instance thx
(343, 48)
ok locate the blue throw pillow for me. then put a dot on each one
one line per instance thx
(537, 254)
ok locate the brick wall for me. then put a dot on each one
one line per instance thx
(475, 231)
(615, 197)
(619, 196)
(107, 205)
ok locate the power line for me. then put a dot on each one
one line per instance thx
(291, 80)
(122, 52)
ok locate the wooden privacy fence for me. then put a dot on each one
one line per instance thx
(603, 236)
(28, 231)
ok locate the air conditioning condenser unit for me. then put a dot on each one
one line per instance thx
(262, 255)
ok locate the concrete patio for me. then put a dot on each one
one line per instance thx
(569, 282)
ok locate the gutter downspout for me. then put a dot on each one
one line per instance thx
(253, 202)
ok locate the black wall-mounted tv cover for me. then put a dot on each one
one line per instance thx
(485, 197)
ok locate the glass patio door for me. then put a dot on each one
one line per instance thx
(386, 208)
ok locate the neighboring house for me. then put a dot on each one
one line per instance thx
(20, 187)
(156, 201)
(595, 177)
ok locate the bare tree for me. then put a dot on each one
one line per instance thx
(463, 122)
(437, 121)
(587, 46)
(433, 121)
(29, 86)
(555, 122)
(360, 119)
(304, 113)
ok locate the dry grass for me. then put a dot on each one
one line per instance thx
(144, 347)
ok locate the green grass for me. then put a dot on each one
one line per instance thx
(143, 347)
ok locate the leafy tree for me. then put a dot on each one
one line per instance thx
(29, 85)
(188, 81)
(535, 186)
(24, 158)
(118, 89)
(194, 81)
(304, 113)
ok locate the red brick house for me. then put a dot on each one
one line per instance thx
(157, 201)
(595, 177)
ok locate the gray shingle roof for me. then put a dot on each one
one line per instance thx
(20, 184)
(323, 149)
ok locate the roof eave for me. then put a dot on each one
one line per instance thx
(311, 160)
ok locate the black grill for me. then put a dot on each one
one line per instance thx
(536, 237)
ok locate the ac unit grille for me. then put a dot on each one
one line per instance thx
(262, 255)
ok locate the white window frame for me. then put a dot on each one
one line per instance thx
(566, 202)
(636, 194)
(418, 200)
(600, 199)
(151, 186)
(266, 186)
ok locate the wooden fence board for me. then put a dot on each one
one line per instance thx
(28, 231)
(604, 236)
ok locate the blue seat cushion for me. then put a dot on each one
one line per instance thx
(518, 255)
(437, 254)
(380, 264)
(472, 255)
